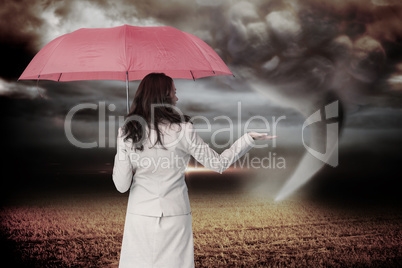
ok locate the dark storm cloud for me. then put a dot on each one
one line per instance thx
(18, 36)
(282, 41)
(21, 90)
(64, 96)
(285, 38)
(378, 18)
(173, 12)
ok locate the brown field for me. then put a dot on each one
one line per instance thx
(230, 230)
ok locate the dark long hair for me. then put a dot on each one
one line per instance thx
(154, 90)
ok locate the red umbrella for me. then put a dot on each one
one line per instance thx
(124, 53)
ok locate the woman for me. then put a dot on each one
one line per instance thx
(156, 143)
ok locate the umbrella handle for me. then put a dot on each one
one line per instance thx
(37, 87)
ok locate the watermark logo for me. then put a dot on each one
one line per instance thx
(330, 156)
(107, 126)
(229, 127)
(218, 164)
(324, 121)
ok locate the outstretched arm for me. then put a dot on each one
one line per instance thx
(220, 162)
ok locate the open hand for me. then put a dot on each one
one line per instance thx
(261, 136)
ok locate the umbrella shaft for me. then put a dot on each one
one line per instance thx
(128, 106)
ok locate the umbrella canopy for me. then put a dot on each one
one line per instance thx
(124, 53)
(111, 53)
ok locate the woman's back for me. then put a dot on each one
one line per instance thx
(158, 185)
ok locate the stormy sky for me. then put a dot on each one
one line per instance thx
(289, 58)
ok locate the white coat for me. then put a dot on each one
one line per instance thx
(155, 176)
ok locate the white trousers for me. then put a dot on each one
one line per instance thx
(157, 242)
